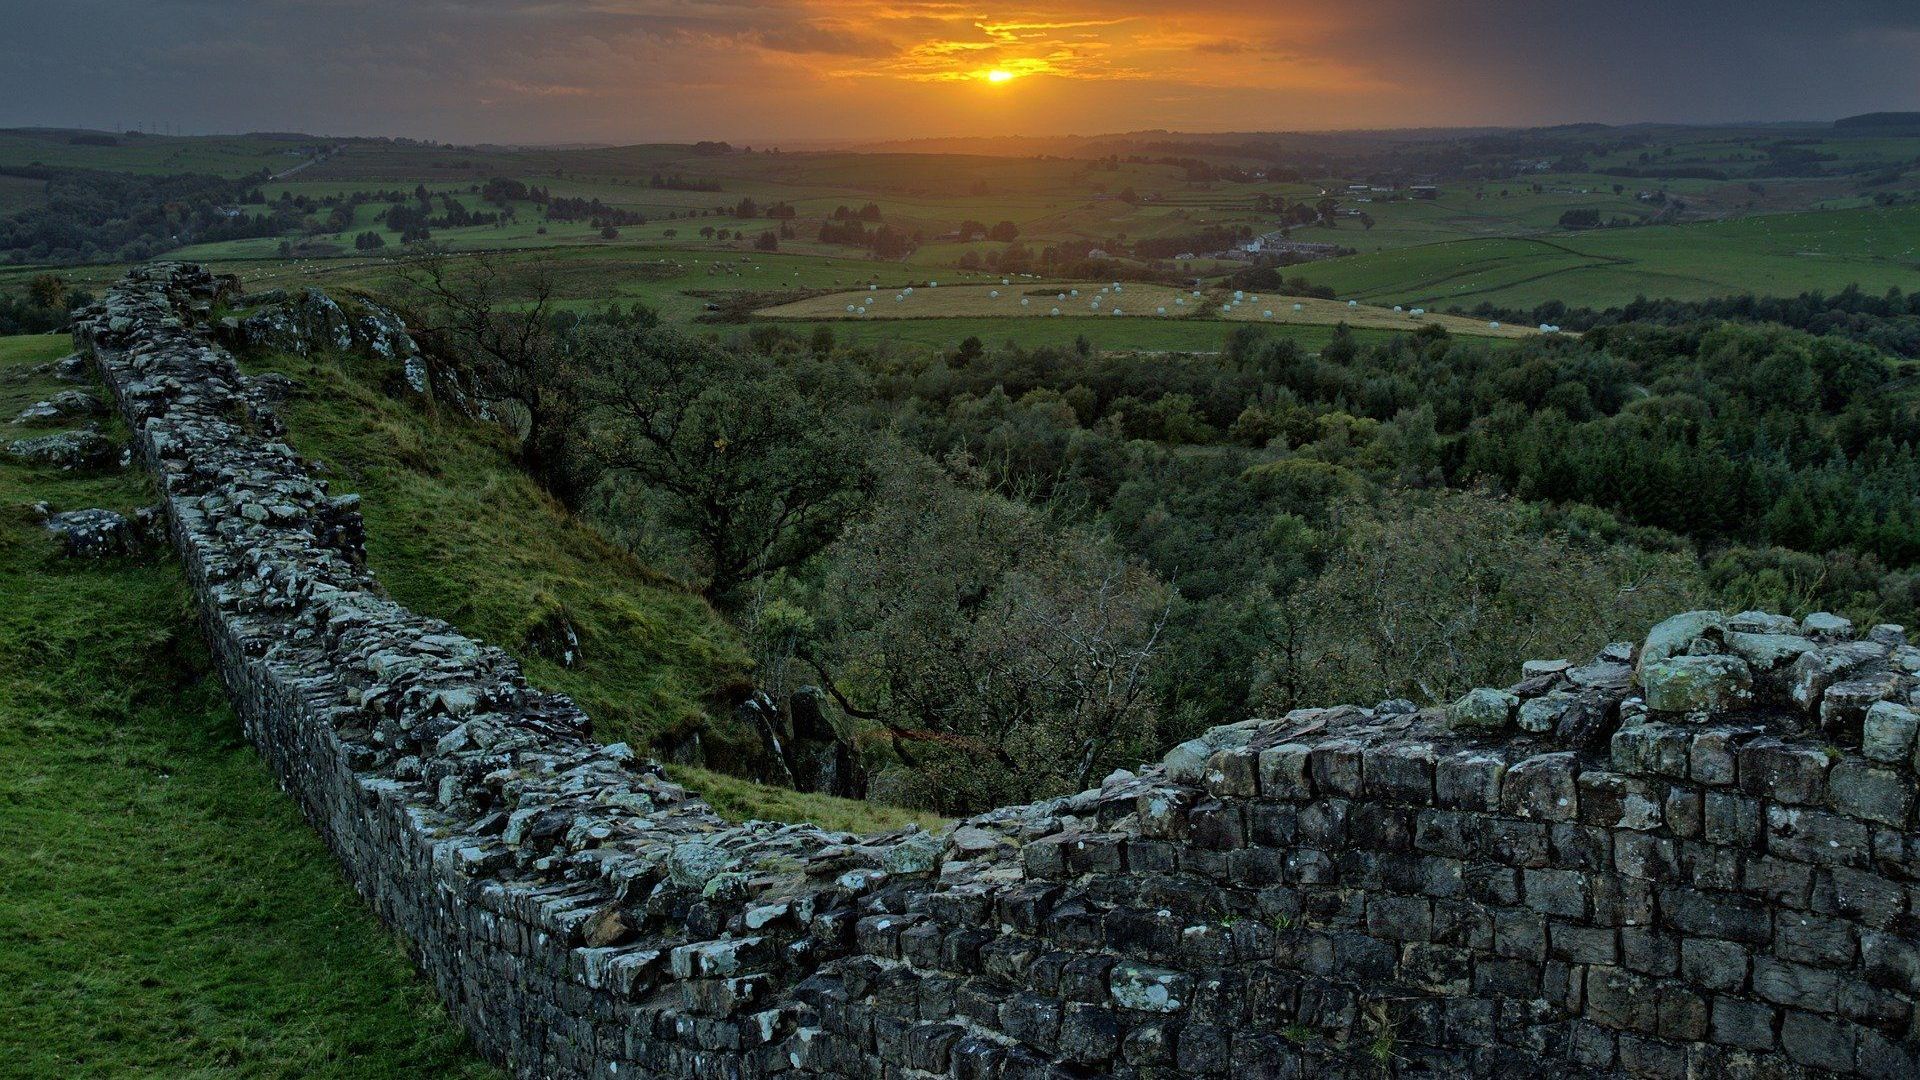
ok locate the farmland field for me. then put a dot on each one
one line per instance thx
(1159, 303)
(1769, 254)
(1666, 212)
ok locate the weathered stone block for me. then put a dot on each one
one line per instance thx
(1689, 684)
(1812, 673)
(1819, 1042)
(1675, 636)
(1784, 772)
(1483, 710)
(1888, 730)
(1878, 795)
(1815, 836)
(1746, 1024)
(1542, 788)
(1233, 774)
(1622, 1000)
(1469, 781)
(1615, 801)
(1283, 772)
(1145, 988)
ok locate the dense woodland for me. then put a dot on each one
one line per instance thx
(1889, 321)
(1055, 560)
(91, 215)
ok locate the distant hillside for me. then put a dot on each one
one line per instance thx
(1882, 122)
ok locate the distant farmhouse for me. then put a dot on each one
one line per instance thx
(1277, 243)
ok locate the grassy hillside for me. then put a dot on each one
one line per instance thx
(164, 909)
(456, 530)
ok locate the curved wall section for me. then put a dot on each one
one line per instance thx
(1694, 858)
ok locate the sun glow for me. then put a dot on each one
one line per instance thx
(998, 75)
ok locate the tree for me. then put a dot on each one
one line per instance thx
(1585, 217)
(1002, 658)
(47, 290)
(1429, 599)
(767, 241)
(757, 461)
(1005, 231)
(608, 232)
(497, 330)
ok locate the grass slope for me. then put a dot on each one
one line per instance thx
(164, 909)
(456, 530)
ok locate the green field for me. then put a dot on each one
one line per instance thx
(221, 155)
(1028, 302)
(1714, 211)
(1775, 254)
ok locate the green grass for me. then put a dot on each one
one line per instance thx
(223, 155)
(26, 350)
(735, 798)
(164, 909)
(1771, 254)
(455, 529)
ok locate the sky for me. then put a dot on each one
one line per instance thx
(554, 71)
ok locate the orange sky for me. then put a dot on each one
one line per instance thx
(852, 68)
(797, 70)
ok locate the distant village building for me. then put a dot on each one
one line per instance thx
(1424, 191)
(1277, 243)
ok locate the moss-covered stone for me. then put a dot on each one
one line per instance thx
(1682, 684)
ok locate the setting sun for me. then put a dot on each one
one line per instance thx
(999, 76)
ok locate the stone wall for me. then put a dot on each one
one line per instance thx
(1692, 857)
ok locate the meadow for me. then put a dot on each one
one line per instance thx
(1772, 254)
(1026, 300)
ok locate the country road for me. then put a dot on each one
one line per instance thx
(316, 159)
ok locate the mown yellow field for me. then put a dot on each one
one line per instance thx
(1125, 301)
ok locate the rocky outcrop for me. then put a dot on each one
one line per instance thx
(81, 449)
(311, 321)
(65, 405)
(97, 534)
(1694, 857)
